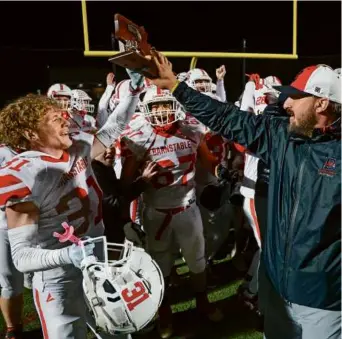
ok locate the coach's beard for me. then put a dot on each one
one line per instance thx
(303, 127)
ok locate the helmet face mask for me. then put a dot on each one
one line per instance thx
(203, 85)
(123, 294)
(161, 113)
(62, 94)
(80, 101)
(199, 80)
(160, 108)
(63, 102)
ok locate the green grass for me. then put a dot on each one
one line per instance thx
(237, 324)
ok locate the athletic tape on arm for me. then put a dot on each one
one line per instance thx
(28, 258)
(119, 119)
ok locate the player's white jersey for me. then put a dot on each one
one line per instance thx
(63, 189)
(6, 154)
(260, 102)
(82, 122)
(175, 154)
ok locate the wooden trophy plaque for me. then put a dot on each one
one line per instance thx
(134, 47)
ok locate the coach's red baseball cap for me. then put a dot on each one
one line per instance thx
(320, 80)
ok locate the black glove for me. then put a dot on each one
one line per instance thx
(134, 233)
(225, 174)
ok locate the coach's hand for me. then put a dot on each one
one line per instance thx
(167, 79)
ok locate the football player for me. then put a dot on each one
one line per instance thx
(53, 182)
(81, 111)
(11, 280)
(171, 214)
(257, 95)
(199, 80)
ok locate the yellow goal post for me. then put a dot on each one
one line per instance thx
(195, 55)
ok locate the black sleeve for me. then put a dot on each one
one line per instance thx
(106, 178)
(255, 132)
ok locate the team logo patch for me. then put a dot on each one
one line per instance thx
(329, 167)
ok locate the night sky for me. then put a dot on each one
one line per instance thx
(38, 39)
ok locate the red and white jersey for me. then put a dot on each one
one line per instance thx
(176, 155)
(260, 100)
(6, 154)
(82, 122)
(63, 189)
(219, 147)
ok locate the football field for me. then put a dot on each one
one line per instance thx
(238, 323)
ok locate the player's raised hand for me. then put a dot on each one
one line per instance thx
(137, 79)
(221, 72)
(110, 79)
(167, 79)
(149, 171)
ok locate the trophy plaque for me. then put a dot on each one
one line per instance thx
(134, 47)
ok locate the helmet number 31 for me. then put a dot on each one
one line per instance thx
(135, 296)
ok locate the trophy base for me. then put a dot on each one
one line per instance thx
(135, 61)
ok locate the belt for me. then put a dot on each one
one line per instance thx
(168, 217)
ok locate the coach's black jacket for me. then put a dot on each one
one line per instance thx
(302, 247)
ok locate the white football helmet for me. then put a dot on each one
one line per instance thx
(182, 76)
(199, 80)
(272, 80)
(121, 91)
(61, 93)
(124, 294)
(160, 107)
(80, 101)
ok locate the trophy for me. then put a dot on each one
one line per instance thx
(134, 46)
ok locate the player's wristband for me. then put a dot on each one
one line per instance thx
(175, 86)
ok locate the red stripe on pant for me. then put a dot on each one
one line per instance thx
(41, 315)
(168, 217)
(254, 216)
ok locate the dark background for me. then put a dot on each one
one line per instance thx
(42, 42)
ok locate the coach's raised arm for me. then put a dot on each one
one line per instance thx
(224, 118)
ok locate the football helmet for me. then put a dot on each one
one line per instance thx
(160, 108)
(80, 101)
(123, 295)
(199, 80)
(60, 93)
(272, 80)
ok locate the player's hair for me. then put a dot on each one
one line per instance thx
(23, 114)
